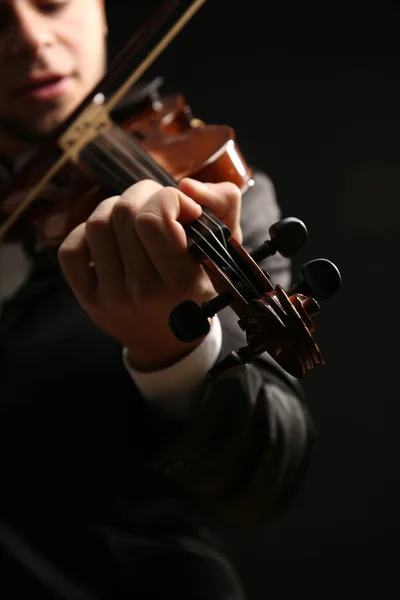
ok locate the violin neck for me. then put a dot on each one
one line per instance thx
(118, 161)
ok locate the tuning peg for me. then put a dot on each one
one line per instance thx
(319, 278)
(288, 236)
(188, 321)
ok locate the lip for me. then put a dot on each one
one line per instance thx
(49, 87)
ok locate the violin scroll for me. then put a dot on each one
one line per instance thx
(275, 321)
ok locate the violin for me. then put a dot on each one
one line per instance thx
(104, 147)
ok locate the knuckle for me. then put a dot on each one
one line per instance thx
(124, 213)
(145, 187)
(101, 215)
(62, 254)
(71, 245)
(163, 203)
(96, 222)
(148, 186)
(233, 192)
(170, 192)
(123, 208)
(167, 199)
(163, 197)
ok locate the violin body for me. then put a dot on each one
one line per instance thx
(105, 146)
(165, 128)
(186, 147)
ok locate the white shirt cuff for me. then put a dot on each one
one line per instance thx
(173, 389)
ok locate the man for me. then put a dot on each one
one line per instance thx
(113, 443)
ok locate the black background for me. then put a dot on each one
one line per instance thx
(314, 101)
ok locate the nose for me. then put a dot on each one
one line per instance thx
(30, 32)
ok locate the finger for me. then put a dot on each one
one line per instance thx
(222, 199)
(104, 250)
(138, 267)
(75, 260)
(159, 227)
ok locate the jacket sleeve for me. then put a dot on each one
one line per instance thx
(246, 449)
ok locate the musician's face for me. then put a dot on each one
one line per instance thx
(52, 53)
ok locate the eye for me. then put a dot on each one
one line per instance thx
(44, 6)
(52, 7)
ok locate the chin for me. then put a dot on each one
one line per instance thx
(48, 123)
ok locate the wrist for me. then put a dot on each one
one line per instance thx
(174, 389)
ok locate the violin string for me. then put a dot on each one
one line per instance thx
(111, 103)
(230, 260)
(165, 178)
(129, 156)
(227, 264)
(227, 260)
(206, 215)
(137, 162)
(114, 178)
(95, 153)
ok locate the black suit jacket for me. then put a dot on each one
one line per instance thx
(103, 497)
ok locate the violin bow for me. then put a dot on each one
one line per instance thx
(93, 114)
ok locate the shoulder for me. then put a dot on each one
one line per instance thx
(260, 201)
(260, 210)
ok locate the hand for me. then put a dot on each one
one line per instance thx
(129, 264)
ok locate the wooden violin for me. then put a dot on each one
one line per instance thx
(104, 147)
